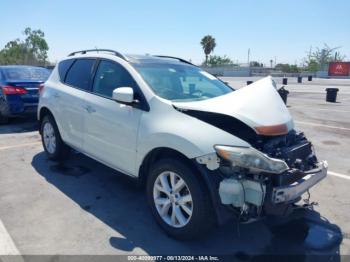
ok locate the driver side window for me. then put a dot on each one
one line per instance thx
(109, 76)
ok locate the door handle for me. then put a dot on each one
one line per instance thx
(89, 109)
(56, 95)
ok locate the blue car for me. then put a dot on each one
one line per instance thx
(19, 89)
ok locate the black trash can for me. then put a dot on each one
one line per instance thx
(300, 79)
(331, 94)
(249, 82)
(309, 78)
(284, 94)
(285, 81)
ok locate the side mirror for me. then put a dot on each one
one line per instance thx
(123, 95)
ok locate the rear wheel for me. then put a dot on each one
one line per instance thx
(179, 200)
(54, 147)
(3, 119)
(3, 108)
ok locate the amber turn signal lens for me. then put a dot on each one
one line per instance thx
(272, 130)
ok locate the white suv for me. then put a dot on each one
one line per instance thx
(204, 151)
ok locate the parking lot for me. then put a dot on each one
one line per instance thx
(82, 207)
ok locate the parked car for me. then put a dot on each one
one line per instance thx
(204, 151)
(19, 89)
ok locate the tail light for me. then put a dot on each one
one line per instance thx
(41, 88)
(14, 90)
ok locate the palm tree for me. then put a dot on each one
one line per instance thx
(208, 45)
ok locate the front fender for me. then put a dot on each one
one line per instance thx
(161, 140)
(164, 126)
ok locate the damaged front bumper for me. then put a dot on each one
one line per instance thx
(249, 196)
(258, 198)
(293, 191)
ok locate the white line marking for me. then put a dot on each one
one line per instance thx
(23, 134)
(338, 175)
(319, 109)
(335, 110)
(20, 145)
(7, 246)
(315, 124)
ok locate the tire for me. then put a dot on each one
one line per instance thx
(53, 144)
(197, 216)
(3, 119)
(3, 108)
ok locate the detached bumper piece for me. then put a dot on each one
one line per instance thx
(287, 193)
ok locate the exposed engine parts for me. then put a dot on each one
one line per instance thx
(252, 194)
(293, 148)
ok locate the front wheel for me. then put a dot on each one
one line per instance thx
(54, 147)
(179, 200)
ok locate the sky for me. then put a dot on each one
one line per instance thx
(271, 29)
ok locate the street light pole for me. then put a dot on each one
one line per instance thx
(248, 55)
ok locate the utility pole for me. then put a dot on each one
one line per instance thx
(248, 55)
(310, 52)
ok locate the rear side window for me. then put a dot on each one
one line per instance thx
(80, 74)
(63, 68)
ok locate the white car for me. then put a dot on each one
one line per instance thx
(204, 151)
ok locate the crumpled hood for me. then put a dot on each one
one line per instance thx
(258, 105)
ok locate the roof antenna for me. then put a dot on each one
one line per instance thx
(96, 49)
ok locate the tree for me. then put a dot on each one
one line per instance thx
(32, 50)
(321, 57)
(287, 68)
(294, 69)
(255, 64)
(312, 65)
(208, 44)
(12, 53)
(36, 44)
(216, 60)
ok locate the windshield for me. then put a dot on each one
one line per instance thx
(181, 82)
(26, 73)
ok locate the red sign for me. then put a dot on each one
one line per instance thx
(339, 69)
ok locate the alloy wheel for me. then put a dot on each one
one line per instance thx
(49, 137)
(172, 199)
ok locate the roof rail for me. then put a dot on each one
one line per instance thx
(102, 50)
(177, 58)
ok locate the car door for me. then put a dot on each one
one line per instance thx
(69, 99)
(110, 127)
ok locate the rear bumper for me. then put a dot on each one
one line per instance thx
(30, 109)
(288, 193)
(18, 108)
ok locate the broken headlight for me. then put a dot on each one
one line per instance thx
(250, 158)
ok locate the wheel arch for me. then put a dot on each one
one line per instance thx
(157, 154)
(43, 112)
(46, 111)
(209, 179)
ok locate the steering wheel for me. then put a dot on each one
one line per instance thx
(169, 93)
(207, 95)
(201, 94)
